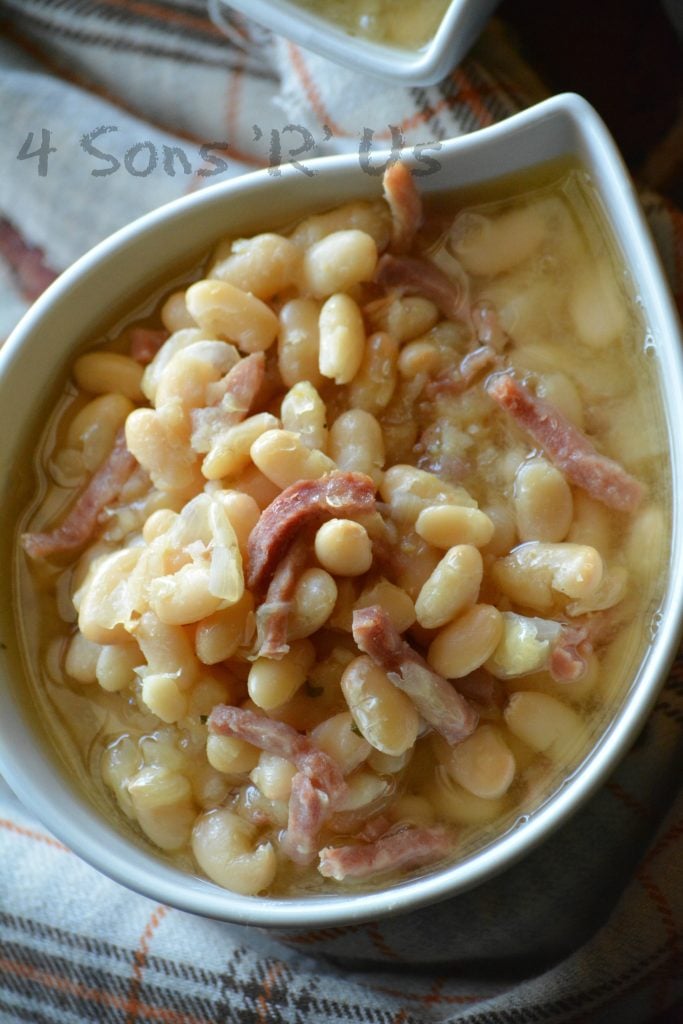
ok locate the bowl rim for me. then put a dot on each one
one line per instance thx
(457, 31)
(102, 846)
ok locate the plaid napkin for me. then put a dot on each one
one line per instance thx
(109, 108)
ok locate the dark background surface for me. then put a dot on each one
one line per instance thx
(626, 58)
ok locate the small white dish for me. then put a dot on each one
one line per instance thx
(112, 278)
(459, 28)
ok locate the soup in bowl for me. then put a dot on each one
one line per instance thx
(408, 44)
(346, 568)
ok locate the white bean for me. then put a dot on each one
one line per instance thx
(303, 412)
(467, 642)
(364, 790)
(592, 524)
(164, 698)
(492, 245)
(374, 384)
(103, 372)
(523, 647)
(168, 650)
(231, 755)
(184, 384)
(120, 762)
(394, 600)
(417, 358)
(412, 810)
(256, 485)
(208, 692)
(219, 636)
(183, 597)
(342, 339)
(243, 513)
(81, 659)
(273, 775)
(406, 317)
(230, 452)
(94, 428)
(104, 601)
(174, 314)
(336, 737)
(543, 502)
(409, 490)
(314, 599)
(171, 464)
(299, 342)
(646, 540)
(179, 339)
(116, 666)
(343, 547)
(546, 724)
(384, 715)
(357, 444)
(283, 457)
(453, 803)
(559, 390)
(533, 573)
(339, 261)
(371, 217)
(504, 529)
(163, 805)
(444, 526)
(597, 307)
(483, 764)
(452, 587)
(226, 850)
(227, 312)
(263, 265)
(272, 682)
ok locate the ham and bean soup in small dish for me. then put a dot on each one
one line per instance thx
(399, 41)
(344, 554)
(344, 524)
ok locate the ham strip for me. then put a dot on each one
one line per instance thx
(322, 770)
(568, 661)
(437, 701)
(272, 617)
(81, 520)
(565, 445)
(145, 342)
(409, 848)
(239, 388)
(308, 809)
(405, 205)
(282, 740)
(302, 504)
(409, 276)
(472, 366)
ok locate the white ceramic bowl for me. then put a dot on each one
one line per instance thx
(112, 278)
(456, 33)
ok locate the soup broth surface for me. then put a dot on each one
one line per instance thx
(379, 535)
(396, 22)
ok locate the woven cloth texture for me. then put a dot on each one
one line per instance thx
(587, 928)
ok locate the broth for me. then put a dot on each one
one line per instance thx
(395, 22)
(437, 661)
